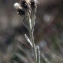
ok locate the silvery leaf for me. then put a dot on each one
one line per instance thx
(26, 22)
(28, 40)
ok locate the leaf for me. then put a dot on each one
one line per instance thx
(28, 40)
(26, 22)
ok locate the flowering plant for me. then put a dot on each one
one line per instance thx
(27, 9)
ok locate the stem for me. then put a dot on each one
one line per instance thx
(31, 36)
(32, 40)
(38, 55)
(31, 22)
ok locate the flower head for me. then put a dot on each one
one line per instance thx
(33, 3)
(25, 5)
(19, 9)
(17, 6)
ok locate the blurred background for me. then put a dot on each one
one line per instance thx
(48, 33)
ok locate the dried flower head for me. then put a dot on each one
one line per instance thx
(21, 12)
(19, 9)
(33, 4)
(24, 4)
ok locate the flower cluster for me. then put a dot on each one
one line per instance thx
(24, 5)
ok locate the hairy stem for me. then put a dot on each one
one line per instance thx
(32, 39)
